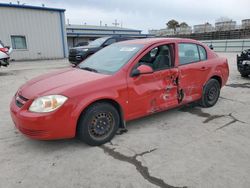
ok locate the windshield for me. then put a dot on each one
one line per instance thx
(98, 42)
(110, 59)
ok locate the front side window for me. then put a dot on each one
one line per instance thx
(188, 53)
(158, 58)
(18, 42)
(110, 59)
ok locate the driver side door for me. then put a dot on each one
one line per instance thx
(157, 91)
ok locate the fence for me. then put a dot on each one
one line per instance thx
(231, 45)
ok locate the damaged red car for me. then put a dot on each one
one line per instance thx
(121, 82)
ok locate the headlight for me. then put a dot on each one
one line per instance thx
(47, 103)
(85, 50)
(246, 62)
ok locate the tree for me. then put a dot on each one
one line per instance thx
(173, 24)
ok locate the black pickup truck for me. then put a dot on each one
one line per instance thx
(78, 54)
(243, 63)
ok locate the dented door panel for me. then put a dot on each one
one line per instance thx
(168, 96)
(142, 92)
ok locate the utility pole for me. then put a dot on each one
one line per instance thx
(116, 23)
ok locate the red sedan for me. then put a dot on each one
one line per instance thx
(119, 83)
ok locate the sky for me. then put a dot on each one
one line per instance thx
(146, 14)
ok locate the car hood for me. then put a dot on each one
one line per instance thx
(58, 82)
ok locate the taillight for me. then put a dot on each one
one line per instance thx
(5, 50)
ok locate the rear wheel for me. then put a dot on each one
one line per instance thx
(211, 93)
(98, 124)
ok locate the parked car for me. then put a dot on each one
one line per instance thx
(82, 44)
(78, 54)
(243, 63)
(5, 52)
(119, 83)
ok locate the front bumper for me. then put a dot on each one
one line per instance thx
(243, 64)
(245, 69)
(75, 59)
(43, 126)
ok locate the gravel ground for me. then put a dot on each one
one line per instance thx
(185, 147)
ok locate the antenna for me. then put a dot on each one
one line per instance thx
(100, 22)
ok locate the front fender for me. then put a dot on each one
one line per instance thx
(82, 102)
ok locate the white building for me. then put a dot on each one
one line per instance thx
(225, 25)
(33, 32)
(184, 30)
(245, 23)
(203, 28)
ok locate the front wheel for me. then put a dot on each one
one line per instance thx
(211, 93)
(244, 75)
(98, 124)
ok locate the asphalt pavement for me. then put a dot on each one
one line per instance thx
(183, 147)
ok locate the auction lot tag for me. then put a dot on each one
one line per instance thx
(128, 49)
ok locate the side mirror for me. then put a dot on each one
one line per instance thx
(142, 69)
(211, 47)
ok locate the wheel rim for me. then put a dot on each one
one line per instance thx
(101, 125)
(212, 94)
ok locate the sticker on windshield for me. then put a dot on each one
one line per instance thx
(128, 49)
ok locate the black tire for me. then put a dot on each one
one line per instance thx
(98, 124)
(244, 75)
(210, 94)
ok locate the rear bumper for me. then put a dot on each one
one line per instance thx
(43, 126)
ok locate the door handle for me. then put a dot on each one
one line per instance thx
(203, 68)
(168, 88)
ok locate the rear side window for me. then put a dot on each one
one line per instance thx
(203, 53)
(188, 53)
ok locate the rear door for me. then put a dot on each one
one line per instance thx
(193, 70)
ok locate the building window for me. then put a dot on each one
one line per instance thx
(18, 42)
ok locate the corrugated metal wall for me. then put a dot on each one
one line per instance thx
(232, 45)
(42, 29)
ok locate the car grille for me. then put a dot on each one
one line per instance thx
(20, 100)
(72, 52)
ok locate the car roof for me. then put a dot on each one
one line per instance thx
(150, 41)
